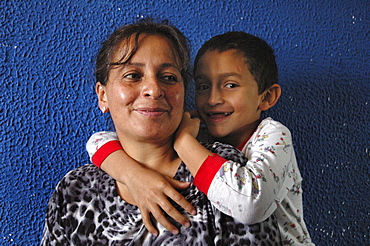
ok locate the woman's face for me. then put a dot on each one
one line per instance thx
(145, 96)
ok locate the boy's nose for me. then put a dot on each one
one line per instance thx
(215, 97)
(152, 88)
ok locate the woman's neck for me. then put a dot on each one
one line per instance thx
(158, 156)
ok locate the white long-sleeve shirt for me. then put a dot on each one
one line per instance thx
(267, 181)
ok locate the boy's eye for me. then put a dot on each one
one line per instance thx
(202, 87)
(231, 85)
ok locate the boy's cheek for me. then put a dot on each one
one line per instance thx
(197, 100)
(199, 105)
(200, 96)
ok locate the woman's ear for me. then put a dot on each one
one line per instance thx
(102, 97)
(270, 97)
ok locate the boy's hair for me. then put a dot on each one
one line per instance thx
(128, 33)
(259, 56)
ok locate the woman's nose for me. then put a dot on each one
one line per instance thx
(152, 88)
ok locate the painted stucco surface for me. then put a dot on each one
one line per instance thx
(48, 108)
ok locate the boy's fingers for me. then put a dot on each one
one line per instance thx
(161, 206)
(178, 198)
(176, 184)
(187, 206)
(161, 218)
(171, 211)
(193, 113)
(147, 222)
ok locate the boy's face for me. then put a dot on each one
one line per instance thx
(227, 96)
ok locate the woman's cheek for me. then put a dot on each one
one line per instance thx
(177, 96)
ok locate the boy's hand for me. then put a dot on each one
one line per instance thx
(191, 152)
(189, 125)
(150, 191)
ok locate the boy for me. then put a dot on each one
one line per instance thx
(236, 80)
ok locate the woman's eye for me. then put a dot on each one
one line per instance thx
(170, 78)
(132, 76)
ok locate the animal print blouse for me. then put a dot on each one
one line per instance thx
(85, 209)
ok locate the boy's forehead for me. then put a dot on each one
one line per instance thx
(229, 61)
(216, 66)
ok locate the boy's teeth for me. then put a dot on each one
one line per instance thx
(213, 114)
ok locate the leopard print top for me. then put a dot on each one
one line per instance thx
(85, 209)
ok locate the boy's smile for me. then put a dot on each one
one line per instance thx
(214, 116)
(227, 96)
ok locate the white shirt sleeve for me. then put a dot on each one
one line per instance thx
(99, 139)
(250, 192)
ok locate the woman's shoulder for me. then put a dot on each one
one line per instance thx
(81, 173)
(86, 177)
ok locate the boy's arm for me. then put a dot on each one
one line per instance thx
(262, 182)
(149, 189)
(194, 154)
(246, 189)
(191, 152)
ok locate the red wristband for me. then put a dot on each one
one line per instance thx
(104, 151)
(207, 172)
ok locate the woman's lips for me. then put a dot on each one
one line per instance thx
(151, 112)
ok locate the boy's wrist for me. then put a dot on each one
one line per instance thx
(104, 152)
(130, 173)
(183, 141)
(121, 167)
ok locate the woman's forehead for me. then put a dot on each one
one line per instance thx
(153, 44)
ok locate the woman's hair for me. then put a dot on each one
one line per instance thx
(127, 33)
(258, 55)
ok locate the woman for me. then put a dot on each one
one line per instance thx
(141, 74)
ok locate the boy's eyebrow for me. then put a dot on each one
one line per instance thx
(199, 76)
(222, 76)
(225, 75)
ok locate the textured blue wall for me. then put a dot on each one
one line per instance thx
(48, 107)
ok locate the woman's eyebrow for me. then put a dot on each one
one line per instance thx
(117, 63)
(167, 65)
(138, 64)
(162, 66)
(135, 64)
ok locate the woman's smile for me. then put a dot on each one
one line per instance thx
(146, 96)
(151, 111)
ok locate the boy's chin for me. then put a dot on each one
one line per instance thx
(217, 133)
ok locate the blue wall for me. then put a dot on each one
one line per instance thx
(48, 107)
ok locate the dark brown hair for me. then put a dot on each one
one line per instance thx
(126, 33)
(258, 55)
